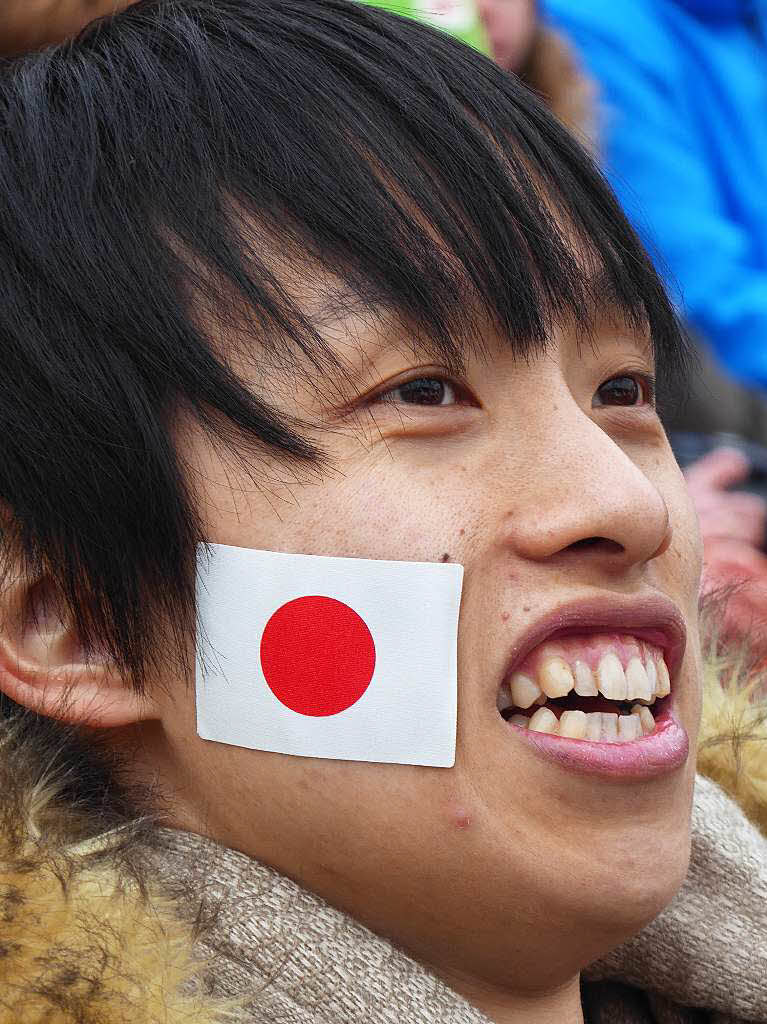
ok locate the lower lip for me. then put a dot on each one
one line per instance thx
(661, 753)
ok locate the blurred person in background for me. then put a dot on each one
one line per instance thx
(459, 18)
(521, 43)
(683, 131)
(31, 24)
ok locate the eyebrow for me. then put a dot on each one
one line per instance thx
(605, 310)
(383, 327)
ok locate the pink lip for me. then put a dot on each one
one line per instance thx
(659, 754)
(654, 619)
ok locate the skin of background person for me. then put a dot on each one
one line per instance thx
(510, 26)
(30, 24)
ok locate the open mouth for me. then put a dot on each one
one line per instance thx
(599, 688)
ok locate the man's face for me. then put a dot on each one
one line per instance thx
(551, 481)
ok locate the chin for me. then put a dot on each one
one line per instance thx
(632, 882)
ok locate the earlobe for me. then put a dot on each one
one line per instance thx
(44, 667)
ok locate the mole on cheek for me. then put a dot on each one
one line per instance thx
(445, 557)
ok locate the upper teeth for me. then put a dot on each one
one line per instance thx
(611, 679)
(640, 680)
(585, 684)
(555, 677)
(629, 672)
(637, 680)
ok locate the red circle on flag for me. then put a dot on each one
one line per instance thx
(317, 656)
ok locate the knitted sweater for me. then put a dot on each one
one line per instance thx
(143, 926)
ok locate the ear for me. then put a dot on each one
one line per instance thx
(44, 667)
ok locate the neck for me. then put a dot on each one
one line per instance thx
(258, 911)
(558, 1005)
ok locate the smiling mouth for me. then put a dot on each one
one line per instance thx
(599, 688)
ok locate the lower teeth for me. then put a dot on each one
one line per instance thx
(596, 726)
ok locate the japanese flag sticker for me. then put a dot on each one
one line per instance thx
(344, 658)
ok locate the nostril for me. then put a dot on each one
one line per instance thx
(604, 544)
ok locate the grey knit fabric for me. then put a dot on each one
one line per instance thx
(709, 948)
(299, 961)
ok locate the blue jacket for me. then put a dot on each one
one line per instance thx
(684, 136)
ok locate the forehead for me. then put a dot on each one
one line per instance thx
(355, 328)
(334, 333)
(429, 280)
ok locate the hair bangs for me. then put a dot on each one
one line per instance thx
(175, 165)
(458, 197)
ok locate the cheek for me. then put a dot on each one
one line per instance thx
(380, 505)
(680, 568)
(686, 548)
(384, 512)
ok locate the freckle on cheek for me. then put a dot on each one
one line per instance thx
(504, 616)
(526, 608)
(462, 531)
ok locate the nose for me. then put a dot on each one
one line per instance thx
(585, 500)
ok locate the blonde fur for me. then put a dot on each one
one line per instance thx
(732, 746)
(85, 938)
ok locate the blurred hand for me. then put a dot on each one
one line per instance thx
(32, 24)
(736, 573)
(731, 515)
(733, 529)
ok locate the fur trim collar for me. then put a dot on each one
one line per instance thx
(84, 938)
(732, 747)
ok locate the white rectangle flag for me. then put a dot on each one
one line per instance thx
(347, 658)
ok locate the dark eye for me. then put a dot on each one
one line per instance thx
(422, 391)
(624, 391)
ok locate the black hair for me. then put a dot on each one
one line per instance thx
(163, 168)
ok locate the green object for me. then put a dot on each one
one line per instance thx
(458, 17)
